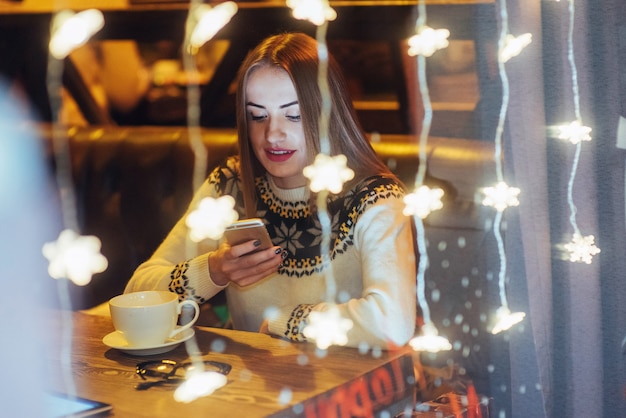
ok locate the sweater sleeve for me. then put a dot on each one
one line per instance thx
(384, 316)
(179, 264)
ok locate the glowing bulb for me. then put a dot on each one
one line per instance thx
(423, 201)
(428, 41)
(574, 132)
(327, 328)
(581, 249)
(328, 173)
(513, 46)
(315, 11)
(505, 319)
(501, 196)
(430, 340)
(211, 218)
(210, 21)
(71, 30)
(74, 257)
(199, 384)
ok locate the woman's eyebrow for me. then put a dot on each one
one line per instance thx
(281, 106)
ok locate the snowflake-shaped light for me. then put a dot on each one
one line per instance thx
(210, 21)
(430, 340)
(328, 173)
(581, 249)
(505, 319)
(574, 132)
(501, 196)
(315, 11)
(198, 385)
(71, 30)
(75, 257)
(423, 201)
(428, 41)
(211, 218)
(327, 328)
(513, 46)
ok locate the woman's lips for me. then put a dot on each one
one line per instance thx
(278, 155)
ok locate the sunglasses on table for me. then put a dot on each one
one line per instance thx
(158, 372)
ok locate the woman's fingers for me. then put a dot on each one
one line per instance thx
(240, 264)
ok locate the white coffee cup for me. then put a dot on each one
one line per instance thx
(149, 318)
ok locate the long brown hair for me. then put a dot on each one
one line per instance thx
(296, 53)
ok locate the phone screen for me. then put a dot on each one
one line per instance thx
(57, 405)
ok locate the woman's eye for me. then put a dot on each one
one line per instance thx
(294, 118)
(256, 117)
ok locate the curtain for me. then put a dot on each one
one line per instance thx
(566, 358)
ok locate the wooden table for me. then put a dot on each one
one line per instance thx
(341, 384)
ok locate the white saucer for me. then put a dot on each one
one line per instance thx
(116, 340)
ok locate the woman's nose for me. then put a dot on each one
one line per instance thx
(274, 132)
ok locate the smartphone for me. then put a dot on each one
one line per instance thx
(246, 230)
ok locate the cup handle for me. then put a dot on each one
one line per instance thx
(177, 330)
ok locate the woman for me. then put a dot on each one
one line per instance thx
(274, 290)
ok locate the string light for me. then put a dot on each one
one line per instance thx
(205, 21)
(211, 218)
(505, 319)
(502, 196)
(430, 340)
(327, 328)
(315, 11)
(71, 30)
(513, 46)
(74, 257)
(424, 199)
(328, 173)
(581, 248)
(428, 41)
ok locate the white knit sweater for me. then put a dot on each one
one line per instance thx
(372, 260)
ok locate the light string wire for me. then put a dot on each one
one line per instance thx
(322, 196)
(576, 93)
(421, 169)
(200, 152)
(504, 29)
(61, 150)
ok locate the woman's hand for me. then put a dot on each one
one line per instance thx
(238, 263)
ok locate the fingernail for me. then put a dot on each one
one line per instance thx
(257, 243)
(278, 250)
(285, 254)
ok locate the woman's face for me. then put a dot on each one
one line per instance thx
(275, 126)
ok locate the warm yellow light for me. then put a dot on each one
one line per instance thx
(423, 201)
(501, 196)
(328, 173)
(209, 21)
(327, 328)
(211, 218)
(74, 257)
(71, 30)
(315, 11)
(428, 41)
